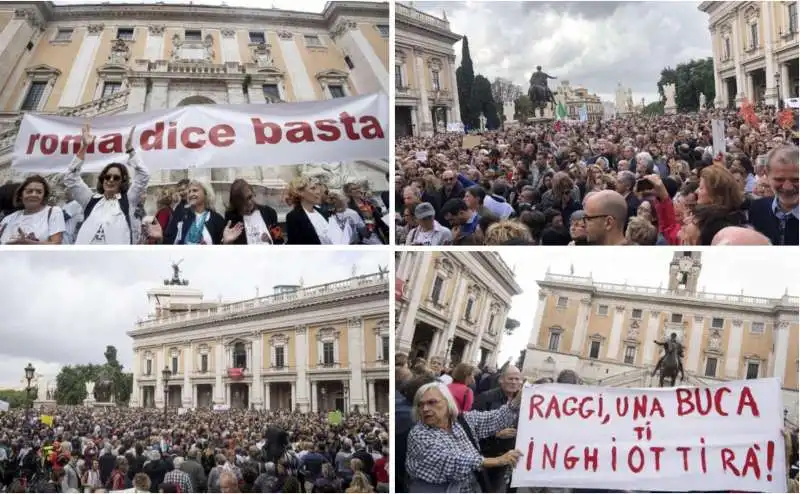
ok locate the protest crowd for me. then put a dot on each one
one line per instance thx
(80, 449)
(112, 211)
(631, 180)
(455, 428)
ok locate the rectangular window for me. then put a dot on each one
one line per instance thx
(677, 318)
(349, 62)
(398, 77)
(148, 367)
(337, 91)
(125, 33)
(727, 48)
(594, 350)
(203, 363)
(753, 35)
(256, 37)
(174, 365)
(602, 310)
(711, 367)
(383, 29)
(636, 313)
(437, 289)
(63, 35)
(193, 35)
(279, 357)
(630, 354)
(561, 303)
(717, 323)
(385, 348)
(792, 18)
(752, 370)
(34, 96)
(110, 88)
(272, 93)
(312, 40)
(435, 80)
(757, 327)
(554, 339)
(327, 353)
(468, 311)
(490, 327)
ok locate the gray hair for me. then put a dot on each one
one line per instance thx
(648, 160)
(452, 408)
(627, 177)
(177, 462)
(210, 196)
(783, 154)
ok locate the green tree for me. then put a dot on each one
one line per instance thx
(511, 325)
(71, 383)
(482, 101)
(690, 78)
(654, 108)
(18, 398)
(465, 75)
(521, 359)
(523, 108)
(111, 357)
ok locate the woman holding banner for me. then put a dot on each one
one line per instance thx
(107, 213)
(443, 450)
(36, 223)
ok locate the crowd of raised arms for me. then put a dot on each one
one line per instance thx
(112, 211)
(646, 180)
(145, 450)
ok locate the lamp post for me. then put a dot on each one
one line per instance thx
(165, 375)
(30, 372)
(778, 90)
(346, 398)
(324, 401)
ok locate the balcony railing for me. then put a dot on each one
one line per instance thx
(414, 14)
(272, 301)
(329, 365)
(646, 290)
(281, 368)
(377, 364)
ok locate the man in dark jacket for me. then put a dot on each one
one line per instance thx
(451, 189)
(275, 444)
(777, 218)
(108, 461)
(195, 470)
(504, 441)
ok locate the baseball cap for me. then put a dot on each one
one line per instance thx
(424, 211)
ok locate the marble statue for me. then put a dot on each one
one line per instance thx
(41, 390)
(89, 390)
(702, 101)
(669, 94)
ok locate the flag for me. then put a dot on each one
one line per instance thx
(335, 418)
(47, 420)
(748, 113)
(561, 112)
(786, 119)
(583, 114)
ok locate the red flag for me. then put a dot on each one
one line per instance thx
(236, 373)
(557, 126)
(398, 288)
(748, 113)
(786, 119)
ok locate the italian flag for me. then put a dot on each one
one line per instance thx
(561, 112)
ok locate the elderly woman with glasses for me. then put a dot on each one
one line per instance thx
(443, 450)
(36, 223)
(107, 213)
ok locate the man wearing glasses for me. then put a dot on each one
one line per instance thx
(606, 213)
(452, 189)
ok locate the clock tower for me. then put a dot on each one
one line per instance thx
(684, 271)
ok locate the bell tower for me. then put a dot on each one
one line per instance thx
(684, 271)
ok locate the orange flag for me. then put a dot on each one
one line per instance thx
(786, 119)
(748, 113)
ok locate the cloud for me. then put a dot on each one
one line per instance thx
(64, 307)
(590, 44)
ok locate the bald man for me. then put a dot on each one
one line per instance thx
(606, 213)
(737, 235)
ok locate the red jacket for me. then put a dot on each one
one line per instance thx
(463, 396)
(667, 224)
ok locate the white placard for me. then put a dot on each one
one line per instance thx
(421, 156)
(455, 127)
(725, 437)
(221, 408)
(214, 136)
(3, 406)
(718, 137)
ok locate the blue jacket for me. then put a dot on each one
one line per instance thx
(764, 220)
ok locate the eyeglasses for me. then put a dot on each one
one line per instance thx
(113, 178)
(428, 403)
(595, 216)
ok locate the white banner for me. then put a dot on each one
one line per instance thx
(214, 136)
(221, 408)
(723, 438)
(3, 406)
(718, 137)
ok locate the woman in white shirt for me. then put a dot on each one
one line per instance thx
(36, 223)
(306, 224)
(107, 213)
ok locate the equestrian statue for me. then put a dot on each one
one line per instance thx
(670, 363)
(104, 387)
(539, 94)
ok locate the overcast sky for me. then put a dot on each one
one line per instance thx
(64, 307)
(301, 6)
(759, 272)
(591, 44)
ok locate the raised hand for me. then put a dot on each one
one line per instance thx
(231, 233)
(129, 142)
(86, 139)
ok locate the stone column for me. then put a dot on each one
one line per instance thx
(455, 314)
(255, 94)
(188, 367)
(414, 120)
(137, 96)
(256, 399)
(219, 366)
(456, 114)
(133, 402)
(301, 361)
(771, 92)
(718, 98)
(652, 333)
(750, 91)
(417, 278)
(355, 342)
(734, 350)
(159, 397)
(500, 336)
(781, 336)
(13, 39)
(314, 397)
(483, 322)
(785, 89)
(533, 341)
(159, 95)
(692, 362)
(579, 337)
(294, 396)
(616, 332)
(371, 395)
(267, 404)
(194, 396)
(426, 128)
(737, 61)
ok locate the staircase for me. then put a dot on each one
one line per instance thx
(641, 378)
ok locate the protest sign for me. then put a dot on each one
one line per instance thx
(722, 437)
(213, 136)
(471, 141)
(221, 408)
(718, 136)
(47, 420)
(455, 127)
(3, 406)
(421, 156)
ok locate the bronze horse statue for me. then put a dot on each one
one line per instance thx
(104, 389)
(538, 92)
(670, 365)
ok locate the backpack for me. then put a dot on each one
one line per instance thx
(124, 205)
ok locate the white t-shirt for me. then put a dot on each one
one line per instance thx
(320, 225)
(37, 224)
(255, 228)
(106, 225)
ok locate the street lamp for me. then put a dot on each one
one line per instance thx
(778, 89)
(346, 396)
(165, 375)
(324, 404)
(30, 371)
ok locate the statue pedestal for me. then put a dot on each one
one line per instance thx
(670, 110)
(44, 404)
(99, 404)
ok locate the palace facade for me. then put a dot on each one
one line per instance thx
(452, 305)
(312, 348)
(755, 51)
(606, 331)
(426, 94)
(86, 60)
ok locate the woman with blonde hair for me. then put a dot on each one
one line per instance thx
(508, 232)
(306, 223)
(199, 224)
(594, 179)
(360, 483)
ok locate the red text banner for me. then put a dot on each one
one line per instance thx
(725, 437)
(214, 136)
